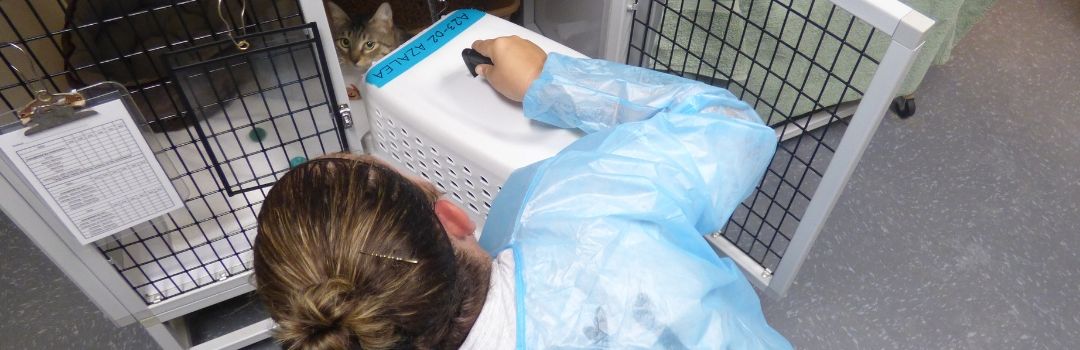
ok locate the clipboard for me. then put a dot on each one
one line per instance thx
(87, 156)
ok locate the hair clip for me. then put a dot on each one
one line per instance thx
(411, 261)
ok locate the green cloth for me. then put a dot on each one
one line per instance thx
(783, 63)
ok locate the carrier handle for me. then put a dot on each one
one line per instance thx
(472, 59)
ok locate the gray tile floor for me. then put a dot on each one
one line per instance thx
(959, 230)
(41, 309)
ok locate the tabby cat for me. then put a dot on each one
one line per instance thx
(359, 42)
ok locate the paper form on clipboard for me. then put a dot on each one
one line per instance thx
(96, 173)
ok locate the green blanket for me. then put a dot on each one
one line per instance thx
(791, 59)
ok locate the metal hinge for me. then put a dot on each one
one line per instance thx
(346, 115)
(152, 298)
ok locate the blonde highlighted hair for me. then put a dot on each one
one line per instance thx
(351, 255)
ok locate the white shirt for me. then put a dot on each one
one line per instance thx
(496, 327)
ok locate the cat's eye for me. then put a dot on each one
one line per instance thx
(369, 45)
(343, 42)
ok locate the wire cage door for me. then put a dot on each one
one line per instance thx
(260, 111)
(249, 117)
(805, 66)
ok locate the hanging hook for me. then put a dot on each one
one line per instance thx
(58, 107)
(242, 45)
(42, 94)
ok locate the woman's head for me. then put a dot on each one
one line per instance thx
(351, 253)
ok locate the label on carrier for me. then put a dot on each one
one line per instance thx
(96, 173)
(422, 46)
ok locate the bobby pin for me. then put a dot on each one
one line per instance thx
(411, 261)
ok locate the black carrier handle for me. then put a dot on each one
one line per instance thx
(472, 59)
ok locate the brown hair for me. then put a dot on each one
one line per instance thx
(331, 263)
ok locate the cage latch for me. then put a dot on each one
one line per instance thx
(346, 115)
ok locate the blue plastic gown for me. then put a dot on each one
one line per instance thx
(608, 234)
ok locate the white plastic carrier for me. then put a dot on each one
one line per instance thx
(437, 121)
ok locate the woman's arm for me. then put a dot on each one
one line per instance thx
(594, 95)
(699, 146)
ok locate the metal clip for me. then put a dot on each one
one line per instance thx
(42, 98)
(57, 109)
(346, 115)
(767, 273)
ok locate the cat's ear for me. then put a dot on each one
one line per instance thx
(383, 18)
(339, 20)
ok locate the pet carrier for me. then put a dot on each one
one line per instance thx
(466, 149)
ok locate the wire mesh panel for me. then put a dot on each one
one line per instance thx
(796, 62)
(262, 110)
(252, 114)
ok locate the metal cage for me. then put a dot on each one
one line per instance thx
(805, 66)
(229, 122)
(211, 238)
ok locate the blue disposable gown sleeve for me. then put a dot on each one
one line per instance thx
(714, 140)
(608, 234)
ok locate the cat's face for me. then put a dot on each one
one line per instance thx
(360, 43)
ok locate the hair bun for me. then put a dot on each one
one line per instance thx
(320, 317)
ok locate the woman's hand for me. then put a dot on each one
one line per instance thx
(517, 62)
